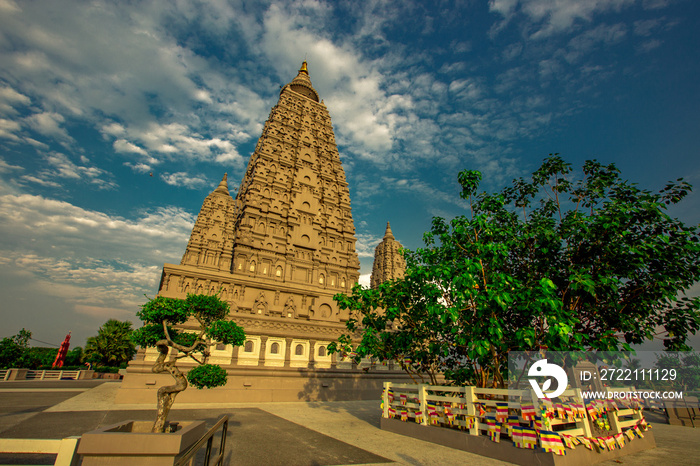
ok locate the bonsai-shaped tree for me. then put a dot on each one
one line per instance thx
(202, 323)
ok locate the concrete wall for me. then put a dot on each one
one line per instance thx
(264, 385)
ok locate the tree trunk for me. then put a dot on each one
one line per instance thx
(167, 394)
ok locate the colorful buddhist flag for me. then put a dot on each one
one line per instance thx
(560, 411)
(600, 441)
(516, 435)
(529, 438)
(494, 429)
(592, 413)
(620, 440)
(611, 443)
(580, 411)
(585, 442)
(569, 413)
(551, 442)
(449, 415)
(501, 412)
(469, 422)
(569, 441)
(528, 411)
(513, 421)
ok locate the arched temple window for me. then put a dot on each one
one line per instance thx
(299, 350)
(275, 348)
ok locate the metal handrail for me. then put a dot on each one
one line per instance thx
(209, 439)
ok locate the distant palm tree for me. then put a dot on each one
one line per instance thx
(112, 346)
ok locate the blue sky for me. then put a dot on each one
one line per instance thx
(97, 96)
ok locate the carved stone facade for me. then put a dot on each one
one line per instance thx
(388, 261)
(277, 253)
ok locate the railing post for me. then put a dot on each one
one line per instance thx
(66, 455)
(422, 395)
(470, 400)
(385, 396)
(584, 422)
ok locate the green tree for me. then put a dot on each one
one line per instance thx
(41, 356)
(685, 367)
(205, 316)
(112, 346)
(14, 349)
(75, 357)
(595, 263)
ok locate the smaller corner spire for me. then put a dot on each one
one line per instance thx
(223, 186)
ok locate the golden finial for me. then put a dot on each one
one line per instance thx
(303, 68)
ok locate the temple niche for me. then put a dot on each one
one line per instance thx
(277, 253)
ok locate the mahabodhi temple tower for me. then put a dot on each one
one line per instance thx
(277, 253)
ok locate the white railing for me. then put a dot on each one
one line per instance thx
(470, 408)
(63, 449)
(51, 375)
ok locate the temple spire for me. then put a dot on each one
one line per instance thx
(223, 186)
(388, 234)
(388, 264)
(301, 84)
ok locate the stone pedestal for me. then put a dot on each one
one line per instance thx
(131, 442)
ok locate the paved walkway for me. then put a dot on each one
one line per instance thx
(324, 433)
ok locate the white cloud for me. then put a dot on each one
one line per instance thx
(8, 128)
(139, 167)
(604, 34)
(656, 4)
(9, 98)
(92, 262)
(183, 179)
(122, 145)
(366, 243)
(548, 17)
(7, 168)
(366, 117)
(41, 181)
(365, 279)
(646, 27)
(649, 45)
(59, 167)
(132, 71)
(49, 124)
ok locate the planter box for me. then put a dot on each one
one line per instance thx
(131, 442)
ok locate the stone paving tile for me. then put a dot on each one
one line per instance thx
(255, 436)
